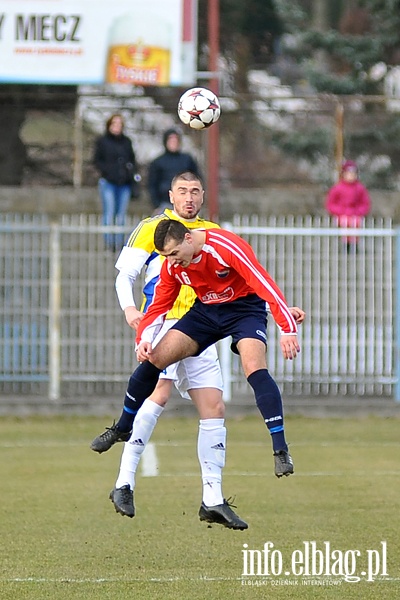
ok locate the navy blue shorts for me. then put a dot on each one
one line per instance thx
(208, 323)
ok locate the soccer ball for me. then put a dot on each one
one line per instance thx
(199, 108)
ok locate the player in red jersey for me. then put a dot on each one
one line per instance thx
(221, 268)
(232, 290)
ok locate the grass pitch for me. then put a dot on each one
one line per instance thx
(61, 539)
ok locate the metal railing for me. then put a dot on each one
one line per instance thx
(347, 289)
(63, 333)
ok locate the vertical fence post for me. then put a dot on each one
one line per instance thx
(54, 312)
(397, 317)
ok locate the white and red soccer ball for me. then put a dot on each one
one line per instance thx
(199, 108)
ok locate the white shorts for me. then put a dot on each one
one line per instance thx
(194, 372)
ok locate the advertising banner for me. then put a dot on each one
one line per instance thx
(98, 41)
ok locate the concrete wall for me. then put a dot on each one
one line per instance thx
(272, 200)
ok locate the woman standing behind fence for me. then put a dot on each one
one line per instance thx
(349, 201)
(114, 158)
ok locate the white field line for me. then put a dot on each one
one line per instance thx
(297, 474)
(149, 462)
(202, 579)
(150, 466)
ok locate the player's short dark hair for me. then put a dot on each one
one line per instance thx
(187, 176)
(169, 229)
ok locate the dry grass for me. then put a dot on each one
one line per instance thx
(61, 538)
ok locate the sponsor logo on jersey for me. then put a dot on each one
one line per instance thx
(223, 273)
(212, 297)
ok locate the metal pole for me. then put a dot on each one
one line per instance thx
(213, 132)
(339, 138)
(54, 313)
(78, 147)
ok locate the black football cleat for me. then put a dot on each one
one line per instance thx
(221, 514)
(122, 498)
(104, 441)
(283, 463)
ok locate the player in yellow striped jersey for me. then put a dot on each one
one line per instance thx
(198, 378)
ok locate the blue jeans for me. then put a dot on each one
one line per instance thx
(115, 201)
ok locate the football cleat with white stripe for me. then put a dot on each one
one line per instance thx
(283, 463)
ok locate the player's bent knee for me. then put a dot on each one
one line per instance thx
(161, 400)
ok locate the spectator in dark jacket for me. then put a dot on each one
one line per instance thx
(115, 160)
(164, 168)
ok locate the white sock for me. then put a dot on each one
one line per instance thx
(211, 452)
(143, 427)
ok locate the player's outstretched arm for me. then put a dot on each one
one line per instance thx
(240, 255)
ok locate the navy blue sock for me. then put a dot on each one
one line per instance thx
(269, 403)
(141, 384)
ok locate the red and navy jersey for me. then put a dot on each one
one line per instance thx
(225, 269)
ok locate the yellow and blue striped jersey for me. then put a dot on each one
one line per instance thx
(141, 241)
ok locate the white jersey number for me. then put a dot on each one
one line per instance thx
(184, 278)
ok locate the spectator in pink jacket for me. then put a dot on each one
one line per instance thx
(349, 201)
